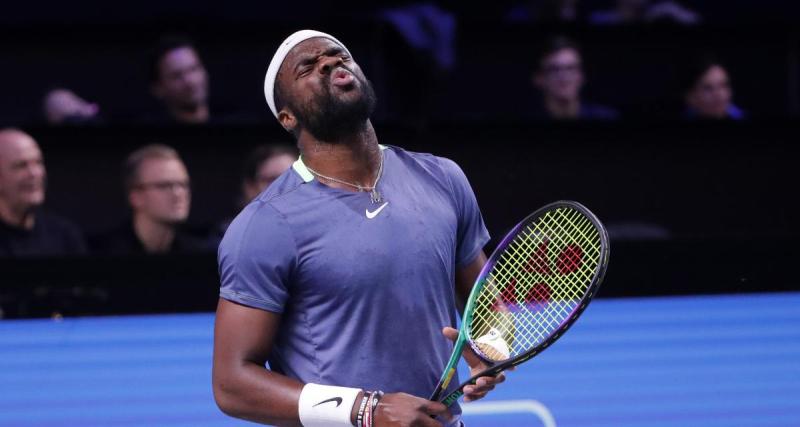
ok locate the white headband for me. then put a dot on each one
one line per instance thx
(280, 55)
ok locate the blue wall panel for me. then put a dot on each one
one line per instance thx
(646, 362)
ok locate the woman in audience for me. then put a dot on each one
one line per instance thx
(708, 93)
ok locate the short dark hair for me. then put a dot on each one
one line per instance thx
(696, 67)
(130, 169)
(552, 45)
(261, 154)
(163, 46)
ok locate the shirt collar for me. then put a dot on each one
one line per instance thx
(303, 171)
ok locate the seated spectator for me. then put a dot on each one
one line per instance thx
(560, 78)
(708, 92)
(159, 195)
(261, 167)
(25, 230)
(179, 80)
(62, 106)
(645, 11)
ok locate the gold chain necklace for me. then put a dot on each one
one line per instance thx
(374, 195)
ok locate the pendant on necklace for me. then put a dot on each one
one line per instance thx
(375, 196)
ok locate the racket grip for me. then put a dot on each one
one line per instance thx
(452, 397)
(437, 393)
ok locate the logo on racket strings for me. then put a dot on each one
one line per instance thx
(514, 294)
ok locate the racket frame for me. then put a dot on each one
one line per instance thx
(463, 334)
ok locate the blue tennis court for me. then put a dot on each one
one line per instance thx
(730, 360)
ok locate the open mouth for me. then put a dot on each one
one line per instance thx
(342, 77)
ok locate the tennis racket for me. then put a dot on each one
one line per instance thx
(535, 285)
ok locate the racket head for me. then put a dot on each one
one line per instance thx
(536, 283)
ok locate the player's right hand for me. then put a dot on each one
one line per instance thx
(405, 410)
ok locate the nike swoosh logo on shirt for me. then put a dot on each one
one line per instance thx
(375, 213)
(338, 401)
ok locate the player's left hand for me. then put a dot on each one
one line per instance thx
(483, 385)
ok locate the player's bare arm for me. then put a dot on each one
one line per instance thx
(244, 388)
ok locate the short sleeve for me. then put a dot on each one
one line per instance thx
(256, 258)
(472, 233)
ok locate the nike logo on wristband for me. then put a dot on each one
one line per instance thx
(375, 213)
(338, 401)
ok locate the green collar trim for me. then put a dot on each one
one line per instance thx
(303, 171)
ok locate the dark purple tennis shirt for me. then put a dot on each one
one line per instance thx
(363, 288)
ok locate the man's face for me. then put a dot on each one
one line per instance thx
(561, 75)
(183, 81)
(162, 192)
(269, 170)
(22, 172)
(711, 95)
(325, 89)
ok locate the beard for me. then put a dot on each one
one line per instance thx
(329, 117)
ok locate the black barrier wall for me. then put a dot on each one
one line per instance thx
(690, 179)
(691, 207)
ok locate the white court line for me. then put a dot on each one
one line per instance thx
(511, 406)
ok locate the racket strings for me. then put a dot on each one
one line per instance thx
(539, 281)
(536, 321)
(566, 291)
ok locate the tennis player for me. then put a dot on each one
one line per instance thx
(343, 273)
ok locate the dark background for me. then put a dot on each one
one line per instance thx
(723, 193)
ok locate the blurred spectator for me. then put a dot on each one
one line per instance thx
(62, 106)
(179, 80)
(428, 29)
(25, 230)
(159, 195)
(261, 168)
(264, 165)
(560, 77)
(645, 11)
(708, 92)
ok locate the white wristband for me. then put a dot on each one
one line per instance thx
(326, 405)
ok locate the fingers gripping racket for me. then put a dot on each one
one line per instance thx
(537, 282)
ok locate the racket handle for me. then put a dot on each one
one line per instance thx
(441, 386)
(452, 397)
(437, 392)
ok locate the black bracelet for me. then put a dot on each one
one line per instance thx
(376, 397)
(361, 409)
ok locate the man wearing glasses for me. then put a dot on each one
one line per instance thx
(560, 78)
(159, 195)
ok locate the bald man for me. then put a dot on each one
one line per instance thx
(24, 229)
